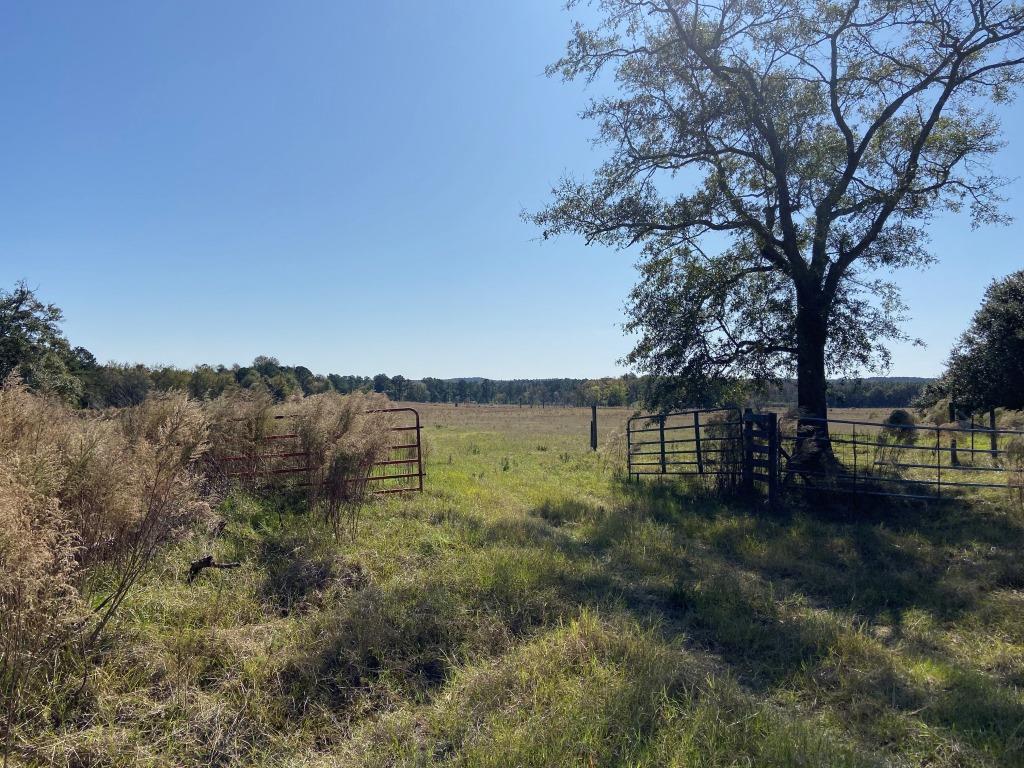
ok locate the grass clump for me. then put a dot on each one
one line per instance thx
(596, 690)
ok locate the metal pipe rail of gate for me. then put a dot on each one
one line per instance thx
(909, 461)
(700, 442)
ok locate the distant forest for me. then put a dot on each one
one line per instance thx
(874, 392)
(122, 385)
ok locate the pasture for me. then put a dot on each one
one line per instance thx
(532, 608)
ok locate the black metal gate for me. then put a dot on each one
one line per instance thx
(695, 443)
(761, 453)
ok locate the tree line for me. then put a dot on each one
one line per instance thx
(32, 343)
(120, 385)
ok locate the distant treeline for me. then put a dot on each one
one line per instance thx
(120, 385)
(875, 392)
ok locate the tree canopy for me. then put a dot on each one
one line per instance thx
(768, 156)
(986, 367)
(32, 343)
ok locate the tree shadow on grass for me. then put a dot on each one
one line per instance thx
(781, 597)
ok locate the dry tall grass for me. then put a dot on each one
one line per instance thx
(334, 439)
(342, 436)
(241, 420)
(87, 502)
(39, 605)
(81, 495)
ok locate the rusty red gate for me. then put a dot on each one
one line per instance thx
(387, 475)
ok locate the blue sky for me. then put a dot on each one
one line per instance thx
(339, 185)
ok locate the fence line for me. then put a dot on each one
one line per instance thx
(858, 457)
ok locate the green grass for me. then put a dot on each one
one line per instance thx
(532, 609)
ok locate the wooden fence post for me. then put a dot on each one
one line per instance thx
(593, 427)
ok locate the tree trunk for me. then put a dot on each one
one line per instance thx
(811, 383)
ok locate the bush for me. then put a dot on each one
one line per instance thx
(900, 427)
(39, 605)
(937, 413)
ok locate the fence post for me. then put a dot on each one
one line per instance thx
(696, 437)
(993, 437)
(773, 458)
(593, 427)
(748, 451)
(954, 459)
(661, 440)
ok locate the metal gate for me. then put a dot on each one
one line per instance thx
(696, 443)
(907, 461)
(777, 455)
(761, 453)
(400, 471)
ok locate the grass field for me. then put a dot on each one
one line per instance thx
(533, 609)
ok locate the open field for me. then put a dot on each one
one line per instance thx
(532, 609)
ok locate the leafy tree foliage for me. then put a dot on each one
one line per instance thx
(986, 368)
(769, 155)
(32, 344)
(116, 386)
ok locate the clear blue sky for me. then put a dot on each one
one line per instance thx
(339, 185)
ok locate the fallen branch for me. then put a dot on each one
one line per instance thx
(207, 562)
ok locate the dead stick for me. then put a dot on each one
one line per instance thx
(206, 562)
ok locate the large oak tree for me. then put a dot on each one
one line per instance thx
(770, 155)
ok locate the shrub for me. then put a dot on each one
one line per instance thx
(937, 413)
(39, 605)
(165, 438)
(897, 434)
(900, 427)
